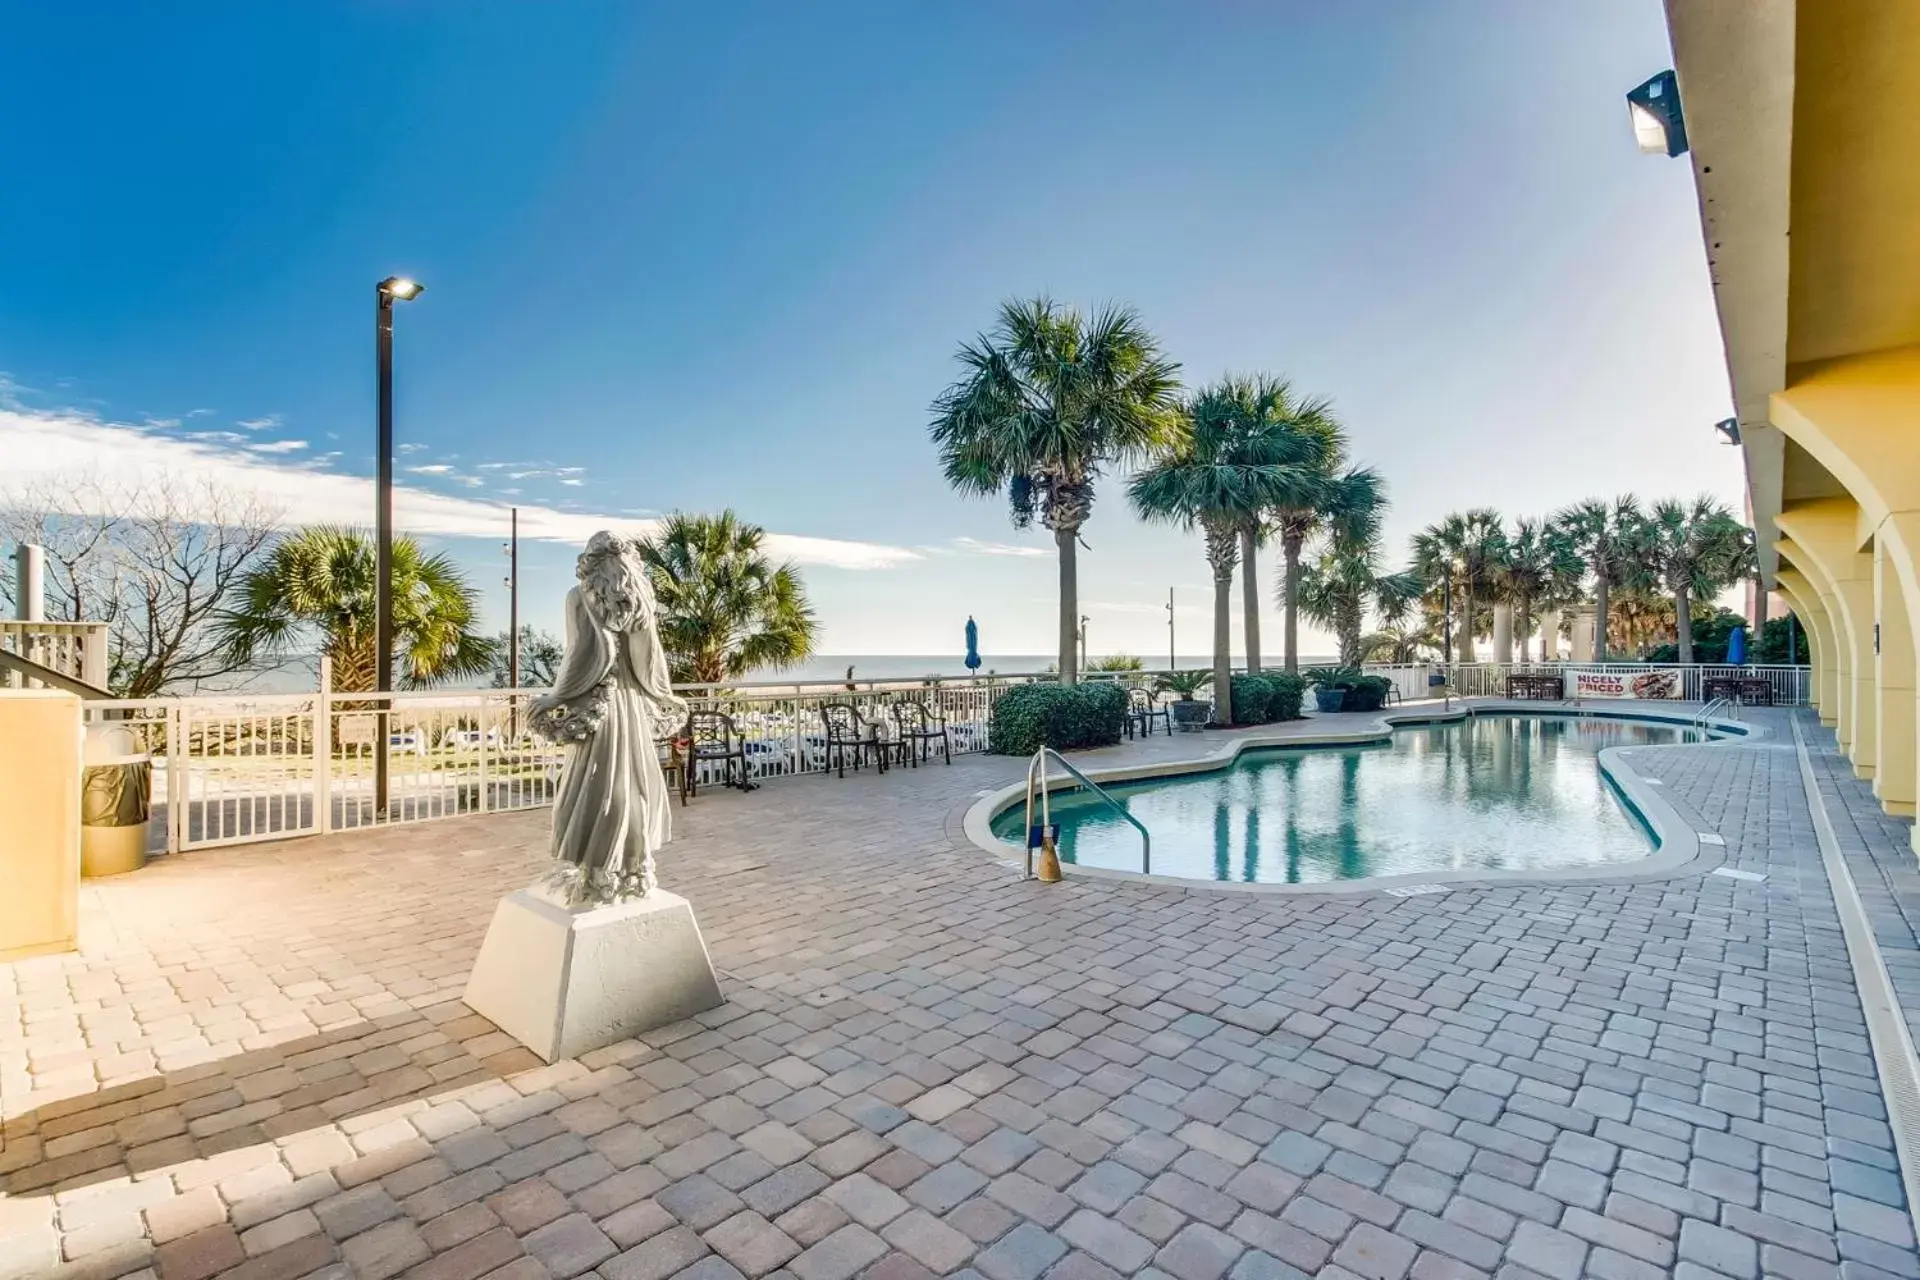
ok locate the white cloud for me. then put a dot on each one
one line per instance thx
(278, 446)
(577, 483)
(42, 443)
(258, 424)
(978, 547)
(431, 469)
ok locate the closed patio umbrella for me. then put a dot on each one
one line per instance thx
(1737, 647)
(973, 646)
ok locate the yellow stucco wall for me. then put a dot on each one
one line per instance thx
(40, 733)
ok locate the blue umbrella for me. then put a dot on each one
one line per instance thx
(1737, 647)
(973, 646)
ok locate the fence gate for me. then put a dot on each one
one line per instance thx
(238, 775)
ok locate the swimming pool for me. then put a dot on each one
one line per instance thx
(1489, 793)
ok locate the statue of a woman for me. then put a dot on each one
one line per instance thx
(611, 703)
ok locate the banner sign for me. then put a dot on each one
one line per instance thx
(1628, 684)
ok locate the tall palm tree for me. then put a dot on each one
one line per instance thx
(320, 585)
(1693, 550)
(1219, 471)
(1047, 401)
(1603, 535)
(1327, 498)
(1533, 570)
(1464, 550)
(1305, 431)
(1343, 583)
(726, 608)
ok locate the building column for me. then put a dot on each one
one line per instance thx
(1893, 677)
(1815, 621)
(1583, 637)
(1503, 634)
(1827, 532)
(1549, 635)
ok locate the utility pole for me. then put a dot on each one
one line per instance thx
(513, 601)
(1173, 661)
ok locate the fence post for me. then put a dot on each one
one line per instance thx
(486, 784)
(176, 780)
(93, 656)
(323, 749)
(799, 737)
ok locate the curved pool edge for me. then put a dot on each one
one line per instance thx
(1677, 844)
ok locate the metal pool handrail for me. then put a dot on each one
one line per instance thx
(1039, 762)
(1707, 712)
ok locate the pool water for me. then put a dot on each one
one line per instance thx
(1506, 793)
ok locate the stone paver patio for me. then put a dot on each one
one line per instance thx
(259, 1065)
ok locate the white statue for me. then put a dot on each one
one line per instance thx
(611, 703)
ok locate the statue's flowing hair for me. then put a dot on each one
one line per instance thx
(613, 582)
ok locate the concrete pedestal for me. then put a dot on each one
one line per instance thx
(564, 982)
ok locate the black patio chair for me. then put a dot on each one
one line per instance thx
(918, 728)
(1142, 710)
(847, 731)
(710, 735)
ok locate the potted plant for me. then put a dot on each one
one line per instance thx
(1368, 693)
(1329, 685)
(1189, 713)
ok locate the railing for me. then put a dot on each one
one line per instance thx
(1790, 684)
(74, 649)
(1717, 707)
(233, 769)
(1039, 763)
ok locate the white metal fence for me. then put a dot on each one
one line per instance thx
(76, 649)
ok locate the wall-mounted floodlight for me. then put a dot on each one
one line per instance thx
(1729, 428)
(1657, 123)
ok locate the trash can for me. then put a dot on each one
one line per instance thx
(116, 790)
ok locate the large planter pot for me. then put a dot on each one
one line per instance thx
(1365, 699)
(1326, 699)
(1190, 714)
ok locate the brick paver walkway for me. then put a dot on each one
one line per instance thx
(259, 1067)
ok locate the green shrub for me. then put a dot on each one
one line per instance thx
(1062, 716)
(1251, 696)
(1368, 693)
(1289, 691)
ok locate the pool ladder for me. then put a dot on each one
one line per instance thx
(1037, 772)
(1707, 712)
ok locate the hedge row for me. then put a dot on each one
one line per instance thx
(1062, 716)
(1267, 699)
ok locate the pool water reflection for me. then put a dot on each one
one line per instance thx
(1509, 793)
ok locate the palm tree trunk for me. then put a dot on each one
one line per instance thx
(1683, 622)
(1250, 588)
(1290, 629)
(1600, 617)
(1223, 547)
(1524, 621)
(1066, 538)
(1466, 620)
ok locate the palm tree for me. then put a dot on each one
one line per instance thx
(1306, 433)
(1344, 582)
(1464, 550)
(1533, 570)
(321, 583)
(1603, 535)
(1219, 471)
(1047, 402)
(1324, 498)
(1693, 550)
(726, 609)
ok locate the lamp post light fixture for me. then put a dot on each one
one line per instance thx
(1729, 429)
(1658, 125)
(385, 294)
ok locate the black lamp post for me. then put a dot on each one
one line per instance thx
(385, 294)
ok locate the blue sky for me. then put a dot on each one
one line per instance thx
(700, 256)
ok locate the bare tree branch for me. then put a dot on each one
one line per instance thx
(153, 560)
